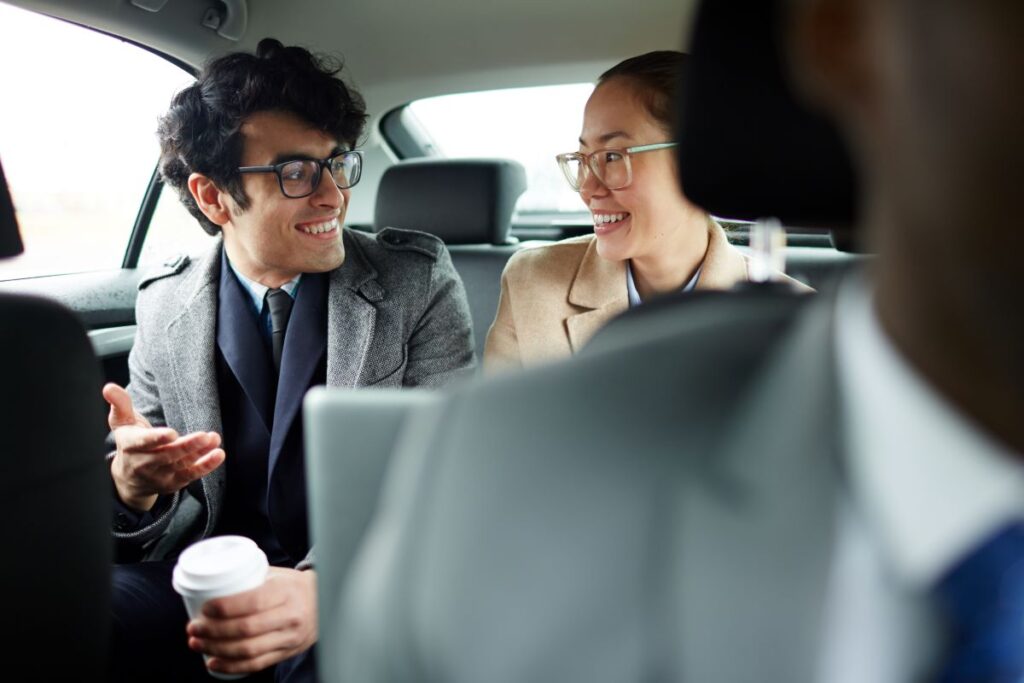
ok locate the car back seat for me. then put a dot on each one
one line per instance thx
(468, 203)
(818, 267)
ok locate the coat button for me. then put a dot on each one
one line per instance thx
(121, 521)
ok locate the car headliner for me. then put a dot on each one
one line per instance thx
(400, 50)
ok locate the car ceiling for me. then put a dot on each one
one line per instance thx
(399, 50)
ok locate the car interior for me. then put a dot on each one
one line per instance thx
(462, 48)
(395, 424)
(743, 161)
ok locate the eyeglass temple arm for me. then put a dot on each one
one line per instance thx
(651, 147)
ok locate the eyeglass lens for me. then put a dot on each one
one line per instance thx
(300, 178)
(610, 167)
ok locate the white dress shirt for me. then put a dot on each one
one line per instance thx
(927, 486)
(257, 293)
(634, 295)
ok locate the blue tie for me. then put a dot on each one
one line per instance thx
(983, 598)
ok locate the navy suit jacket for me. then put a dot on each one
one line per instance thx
(265, 492)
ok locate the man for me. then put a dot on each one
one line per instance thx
(824, 491)
(208, 436)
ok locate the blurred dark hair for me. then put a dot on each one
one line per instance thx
(200, 133)
(657, 77)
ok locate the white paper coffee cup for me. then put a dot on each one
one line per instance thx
(215, 567)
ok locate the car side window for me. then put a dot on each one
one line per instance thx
(172, 232)
(529, 125)
(77, 139)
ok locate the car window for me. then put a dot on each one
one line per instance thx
(77, 139)
(530, 125)
(172, 231)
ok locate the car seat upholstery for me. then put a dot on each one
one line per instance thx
(468, 203)
(819, 267)
(54, 486)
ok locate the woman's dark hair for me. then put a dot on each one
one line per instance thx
(657, 77)
(200, 133)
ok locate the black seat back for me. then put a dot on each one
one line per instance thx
(749, 149)
(54, 487)
(468, 203)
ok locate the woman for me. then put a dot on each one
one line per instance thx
(648, 239)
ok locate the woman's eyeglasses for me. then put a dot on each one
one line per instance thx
(611, 166)
(300, 177)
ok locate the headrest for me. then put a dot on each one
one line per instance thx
(10, 240)
(462, 201)
(748, 148)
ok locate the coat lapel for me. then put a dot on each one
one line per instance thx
(304, 345)
(347, 294)
(191, 348)
(351, 316)
(191, 342)
(724, 265)
(756, 528)
(242, 345)
(600, 287)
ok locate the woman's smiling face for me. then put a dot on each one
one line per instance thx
(633, 221)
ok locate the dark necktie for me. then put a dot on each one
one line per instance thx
(983, 598)
(280, 304)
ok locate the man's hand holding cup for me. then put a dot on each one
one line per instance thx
(244, 626)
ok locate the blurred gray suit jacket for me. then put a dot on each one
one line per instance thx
(396, 316)
(656, 510)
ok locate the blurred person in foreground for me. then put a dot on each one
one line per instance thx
(844, 503)
(648, 238)
(208, 434)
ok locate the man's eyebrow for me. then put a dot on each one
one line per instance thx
(604, 139)
(282, 157)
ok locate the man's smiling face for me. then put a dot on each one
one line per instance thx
(278, 237)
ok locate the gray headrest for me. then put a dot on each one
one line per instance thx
(10, 240)
(462, 201)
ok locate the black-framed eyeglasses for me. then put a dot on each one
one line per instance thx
(300, 177)
(611, 166)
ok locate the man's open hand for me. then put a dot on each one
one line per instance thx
(154, 460)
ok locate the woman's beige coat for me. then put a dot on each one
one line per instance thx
(555, 297)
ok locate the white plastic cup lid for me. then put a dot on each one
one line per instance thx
(222, 564)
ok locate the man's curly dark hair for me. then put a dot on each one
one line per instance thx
(200, 133)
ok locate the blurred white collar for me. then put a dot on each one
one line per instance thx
(931, 483)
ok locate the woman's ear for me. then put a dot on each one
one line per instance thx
(212, 201)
